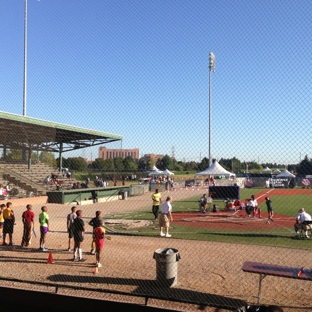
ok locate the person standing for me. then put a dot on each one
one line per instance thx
(255, 207)
(95, 223)
(166, 217)
(99, 235)
(8, 224)
(2, 206)
(79, 231)
(203, 203)
(29, 223)
(303, 221)
(156, 197)
(44, 227)
(70, 220)
(270, 209)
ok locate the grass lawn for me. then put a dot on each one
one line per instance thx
(281, 237)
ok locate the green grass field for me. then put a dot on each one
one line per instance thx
(277, 236)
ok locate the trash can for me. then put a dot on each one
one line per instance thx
(167, 266)
(124, 195)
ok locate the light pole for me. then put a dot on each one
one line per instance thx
(25, 61)
(212, 61)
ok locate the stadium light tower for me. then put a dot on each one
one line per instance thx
(212, 61)
(25, 60)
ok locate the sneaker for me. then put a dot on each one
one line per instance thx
(162, 234)
(168, 235)
(74, 259)
(92, 252)
(44, 249)
(99, 265)
(307, 236)
(268, 222)
(271, 219)
(82, 260)
(297, 235)
(69, 249)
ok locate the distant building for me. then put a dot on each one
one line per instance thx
(107, 153)
(155, 157)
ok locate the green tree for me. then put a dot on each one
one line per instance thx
(129, 163)
(165, 163)
(75, 163)
(109, 164)
(190, 166)
(48, 158)
(118, 163)
(14, 154)
(98, 164)
(305, 166)
(204, 164)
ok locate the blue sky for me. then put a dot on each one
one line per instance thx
(140, 69)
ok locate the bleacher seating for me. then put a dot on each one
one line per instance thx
(31, 182)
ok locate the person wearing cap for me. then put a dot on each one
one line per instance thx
(303, 222)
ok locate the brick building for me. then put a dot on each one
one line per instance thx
(107, 153)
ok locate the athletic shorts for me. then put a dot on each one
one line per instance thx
(1, 225)
(70, 232)
(8, 226)
(78, 237)
(44, 230)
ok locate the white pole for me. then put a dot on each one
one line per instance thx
(212, 60)
(25, 60)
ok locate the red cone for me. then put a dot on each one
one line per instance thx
(50, 259)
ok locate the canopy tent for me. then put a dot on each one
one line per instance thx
(215, 169)
(276, 171)
(285, 174)
(155, 171)
(167, 172)
(267, 169)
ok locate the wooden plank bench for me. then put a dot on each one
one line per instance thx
(264, 270)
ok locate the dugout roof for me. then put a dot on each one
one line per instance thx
(21, 132)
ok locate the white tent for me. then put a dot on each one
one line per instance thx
(267, 169)
(167, 172)
(215, 169)
(285, 174)
(155, 171)
(276, 171)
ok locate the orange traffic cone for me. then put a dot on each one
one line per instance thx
(96, 270)
(50, 259)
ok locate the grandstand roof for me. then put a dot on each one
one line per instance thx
(21, 132)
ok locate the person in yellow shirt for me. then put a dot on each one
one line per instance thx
(156, 197)
(2, 206)
(9, 221)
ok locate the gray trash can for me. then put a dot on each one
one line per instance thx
(124, 195)
(167, 266)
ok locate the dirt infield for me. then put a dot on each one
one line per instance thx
(231, 220)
